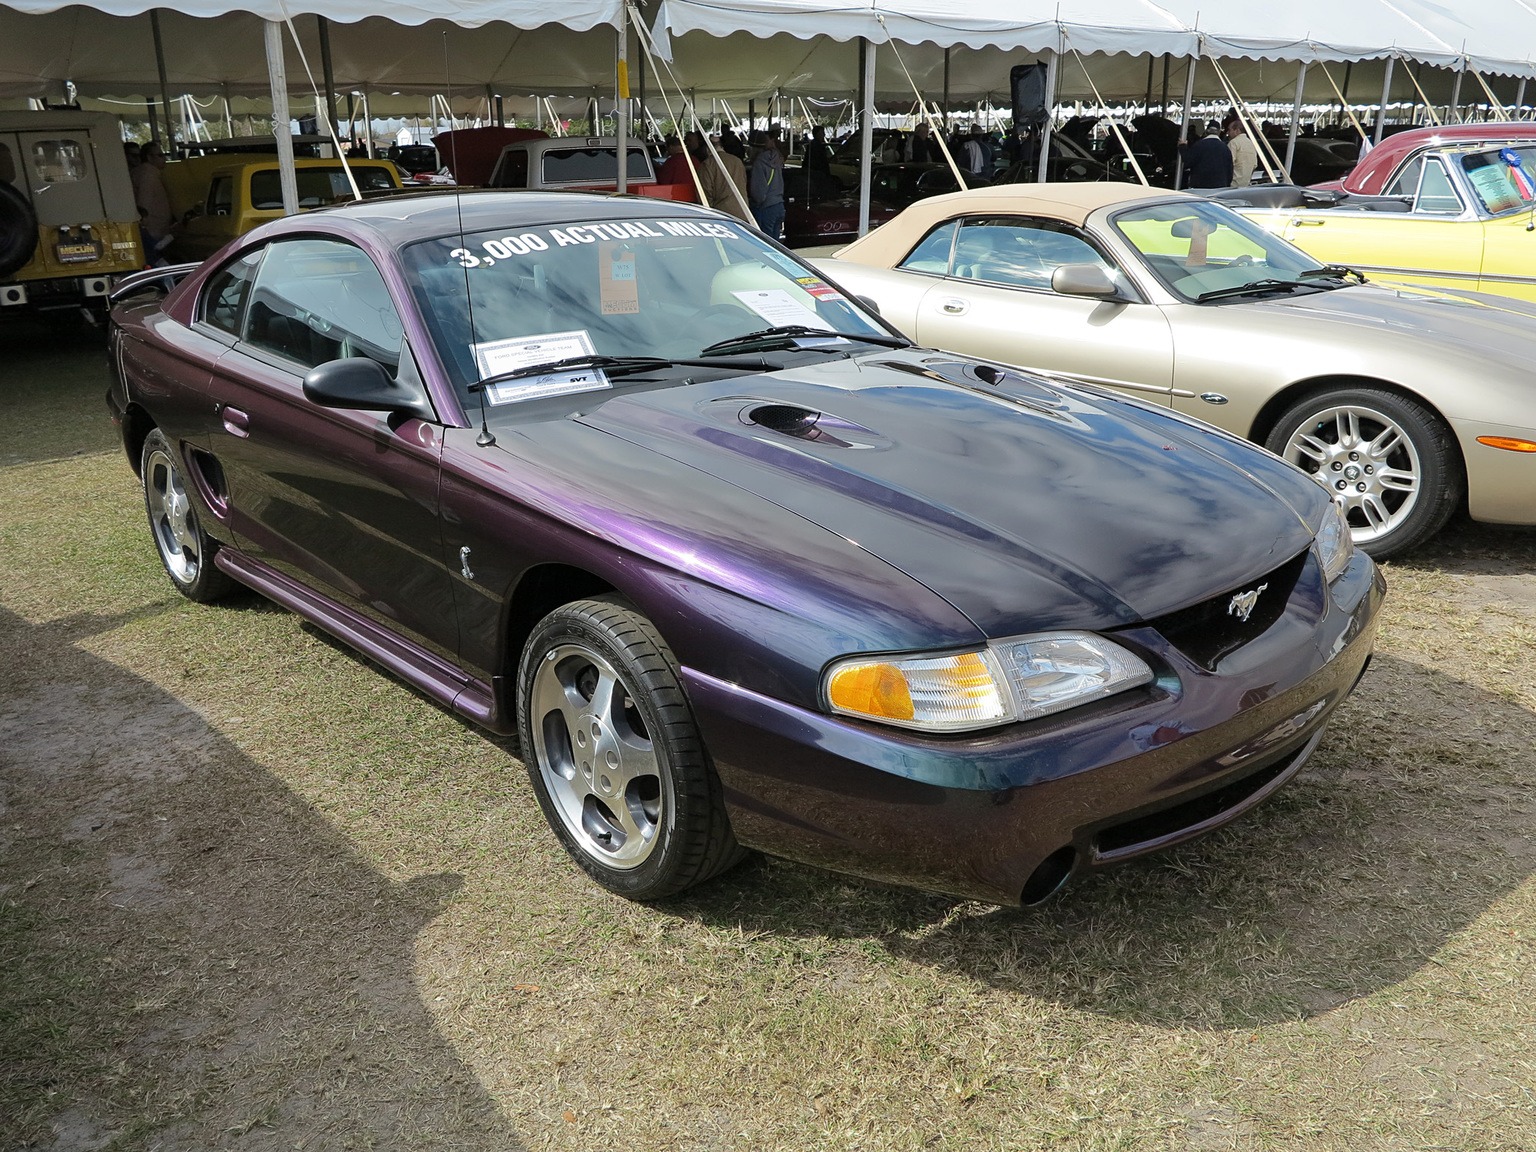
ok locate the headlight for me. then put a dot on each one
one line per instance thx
(1335, 543)
(1021, 678)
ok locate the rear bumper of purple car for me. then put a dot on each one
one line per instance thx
(1009, 815)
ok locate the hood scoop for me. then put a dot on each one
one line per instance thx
(795, 422)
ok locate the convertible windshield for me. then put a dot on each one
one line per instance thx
(1198, 248)
(1503, 178)
(501, 301)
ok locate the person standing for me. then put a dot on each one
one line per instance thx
(156, 220)
(1245, 154)
(674, 170)
(719, 182)
(1207, 160)
(818, 157)
(977, 159)
(765, 185)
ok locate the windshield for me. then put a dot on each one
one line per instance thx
(1196, 247)
(1503, 178)
(643, 287)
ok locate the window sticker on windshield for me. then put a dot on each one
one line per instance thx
(778, 307)
(494, 357)
(819, 288)
(618, 290)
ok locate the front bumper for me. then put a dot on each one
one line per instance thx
(1501, 485)
(1006, 815)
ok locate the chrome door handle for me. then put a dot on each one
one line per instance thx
(955, 307)
(236, 422)
(1300, 223)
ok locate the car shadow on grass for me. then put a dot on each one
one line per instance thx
(1466, 548)
(194, 957)
(1413, 818)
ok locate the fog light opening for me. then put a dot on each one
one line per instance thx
(1048, 878)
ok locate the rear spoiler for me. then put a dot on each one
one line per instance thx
(162, 278)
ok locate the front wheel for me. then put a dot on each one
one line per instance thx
(614, 755)
(1387, 459)
(185, 549)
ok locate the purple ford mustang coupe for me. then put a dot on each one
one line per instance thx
(739, 566)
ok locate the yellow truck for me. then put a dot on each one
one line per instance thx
(220, 197)
(68, 222)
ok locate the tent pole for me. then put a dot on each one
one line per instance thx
(154, 121)
(1386, 95)
(327, 70)
(229, 121)
(1189, 98)
(277, 77)
(538, 113)
(946, 91)
(367, 126)
(1290, 142)
(1043, 169)
(752, 117)
(621, 103)
(1519, 110)
(1162, 107)
(866, 130)
(1151, 68)
(1455, 109)
(169, 143)
(643, 131)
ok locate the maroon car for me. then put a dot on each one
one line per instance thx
(737, 563)
(1381, 163)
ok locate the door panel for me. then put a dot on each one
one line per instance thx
(61, 172)
(1104, 342)
(1397, 246)
(997, 302)
(345, 502)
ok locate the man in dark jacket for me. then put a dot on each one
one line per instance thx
(1207, 159)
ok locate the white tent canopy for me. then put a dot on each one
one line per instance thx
(104, 55)
(1493, 35)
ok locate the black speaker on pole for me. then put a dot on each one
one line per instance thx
(1030, 99)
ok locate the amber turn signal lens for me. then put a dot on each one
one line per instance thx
(1508, 443)
(872, 690)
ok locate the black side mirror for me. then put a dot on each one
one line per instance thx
(363, 384)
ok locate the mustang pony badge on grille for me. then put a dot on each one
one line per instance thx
(1242, 603)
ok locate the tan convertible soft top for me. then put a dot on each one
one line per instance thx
(1071, 203)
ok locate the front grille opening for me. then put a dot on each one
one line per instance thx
(1156, 825)
(1212, 629)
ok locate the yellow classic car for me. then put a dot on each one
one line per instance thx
(222, 197)
(1453, 217)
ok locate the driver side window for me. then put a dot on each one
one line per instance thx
(1020, 251)
(316, 300)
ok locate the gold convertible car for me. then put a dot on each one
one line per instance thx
(1405, 402)
(1455, 216)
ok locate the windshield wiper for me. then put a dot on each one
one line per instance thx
(788, 331)
(613, 366)
(1252, 288)
(1332, 272)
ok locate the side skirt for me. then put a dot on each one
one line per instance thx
(446, 683)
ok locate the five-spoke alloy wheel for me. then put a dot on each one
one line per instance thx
(614, 754)
(185, 549)
(1386, 459)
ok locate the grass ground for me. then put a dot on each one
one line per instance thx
(256, 895)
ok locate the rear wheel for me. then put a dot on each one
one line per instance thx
(185, 549)
(1387, 459)
(614, 754)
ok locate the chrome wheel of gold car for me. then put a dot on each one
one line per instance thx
(1387, 459)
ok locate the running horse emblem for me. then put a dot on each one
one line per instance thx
(1242, 603)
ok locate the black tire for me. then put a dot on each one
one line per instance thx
(18, 230)
(1426, 450)
(186, 552)
(642, 836)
